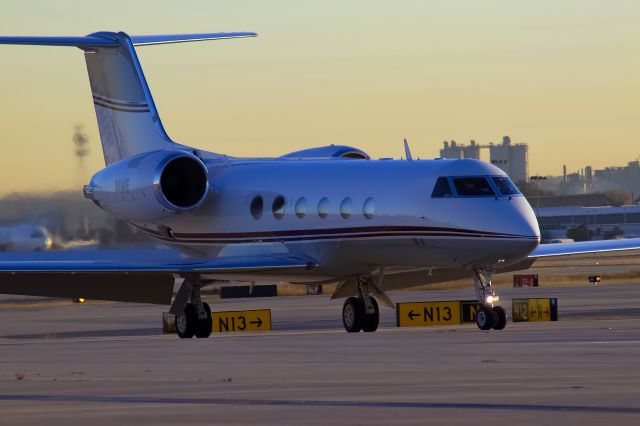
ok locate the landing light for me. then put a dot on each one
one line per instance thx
(490, 299)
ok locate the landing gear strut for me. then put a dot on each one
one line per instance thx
(194, 318)
(490, 315)
(361, 313)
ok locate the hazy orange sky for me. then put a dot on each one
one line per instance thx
(562, 76)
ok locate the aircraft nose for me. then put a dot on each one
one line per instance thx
(526, 226)
(530, 226)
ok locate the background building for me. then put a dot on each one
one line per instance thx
(454, 150)
(600, 222)
(512, 158)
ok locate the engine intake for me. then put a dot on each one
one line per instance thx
(183, 182)
(153, 186)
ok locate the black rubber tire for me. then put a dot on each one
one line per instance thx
(485, 318)
(186, 322)
(203, 327)
(501, 322)
(370, 321)
(352, 315)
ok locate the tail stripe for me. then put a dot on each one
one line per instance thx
(120, 108)
(119, 103)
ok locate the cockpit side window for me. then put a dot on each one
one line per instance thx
(442, 189)
(473, 187)
(505, 185)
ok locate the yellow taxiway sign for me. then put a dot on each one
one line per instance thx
(231, 321)
(422, 314)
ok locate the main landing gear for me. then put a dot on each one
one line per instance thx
(490, 315)
(362, 313)
(192, 318)
(356, 317)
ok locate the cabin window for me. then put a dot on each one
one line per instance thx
(505, 185)
(301, 207)
(442, 189)
(257, 205)
(323, 208)
(369, 208)
(473, 187)
(345, 208)
(278, 207)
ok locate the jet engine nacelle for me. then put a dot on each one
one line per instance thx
(153, 186)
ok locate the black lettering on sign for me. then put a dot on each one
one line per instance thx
(223, 323)
(428, 313)
(242, 323)
(447, 316)
(436, 315)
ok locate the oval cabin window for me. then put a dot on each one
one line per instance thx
(256, 207)
(278, 207)
(323, 208)
(345, 208)
(301, 207)
(369, 208)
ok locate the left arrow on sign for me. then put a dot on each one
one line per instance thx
(412, 315)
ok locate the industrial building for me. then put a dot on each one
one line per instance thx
(512, 158)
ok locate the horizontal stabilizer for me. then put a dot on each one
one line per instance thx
(146, 40)
(87, 41)
(107, 39)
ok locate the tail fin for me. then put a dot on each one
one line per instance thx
(128, 120)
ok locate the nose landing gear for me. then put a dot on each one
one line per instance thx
(491, 315)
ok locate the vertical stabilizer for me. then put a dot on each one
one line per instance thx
(127, 116)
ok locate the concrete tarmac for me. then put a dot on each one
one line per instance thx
(105, 363)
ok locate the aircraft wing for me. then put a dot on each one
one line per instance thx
(144, 276)
(145, 260)
(584, 247)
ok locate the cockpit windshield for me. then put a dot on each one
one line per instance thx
(473, 187)
(442, 189)
(505, 185)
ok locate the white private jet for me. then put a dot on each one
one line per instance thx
(321, 215)
(25, 237)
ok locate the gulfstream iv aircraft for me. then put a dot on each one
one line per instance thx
(322, 215)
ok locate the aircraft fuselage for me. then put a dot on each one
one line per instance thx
(353, 215)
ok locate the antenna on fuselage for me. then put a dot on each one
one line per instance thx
(407, 151)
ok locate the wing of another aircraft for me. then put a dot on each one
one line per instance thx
(144, 276)
(585, 247)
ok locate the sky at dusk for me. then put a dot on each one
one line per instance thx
(563, 77)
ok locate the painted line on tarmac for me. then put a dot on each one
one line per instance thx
(318, 403)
